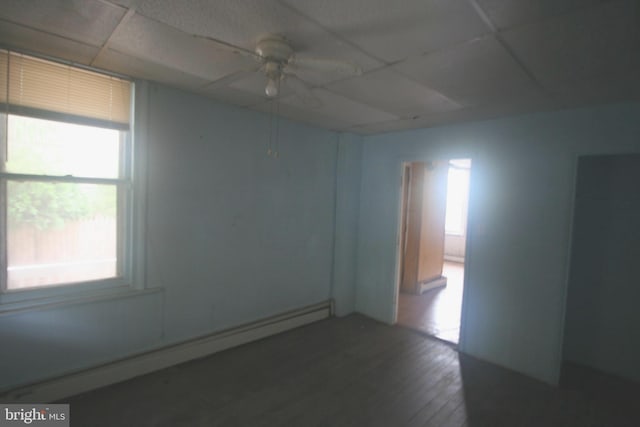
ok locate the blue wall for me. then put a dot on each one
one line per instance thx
(233, 235)
(347, 212)
(51, 341)
(519, 230)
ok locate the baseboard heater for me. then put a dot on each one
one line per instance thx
(144, 363)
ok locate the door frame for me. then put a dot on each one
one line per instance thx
(405, 172)
(399, 255)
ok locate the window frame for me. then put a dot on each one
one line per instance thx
(130, 211)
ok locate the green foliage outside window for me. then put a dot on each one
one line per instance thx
(48, 205)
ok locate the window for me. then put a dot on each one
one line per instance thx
(65, 175)
(457, 196)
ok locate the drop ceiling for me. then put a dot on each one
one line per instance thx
(424, 62)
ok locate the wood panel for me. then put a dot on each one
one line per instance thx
(413, 226)
(425, 199)
(434, 205)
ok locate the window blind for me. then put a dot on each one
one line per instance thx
(37, 87)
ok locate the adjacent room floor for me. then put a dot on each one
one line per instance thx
(437, 311)
(354, 371)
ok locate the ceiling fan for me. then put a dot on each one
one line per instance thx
(281, 64)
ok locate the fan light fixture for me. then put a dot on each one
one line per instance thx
(272, 88)
(273, 70)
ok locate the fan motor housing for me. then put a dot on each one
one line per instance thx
(274, 48)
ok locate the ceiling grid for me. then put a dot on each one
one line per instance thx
(424, 62)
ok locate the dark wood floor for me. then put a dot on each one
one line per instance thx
(354, 371)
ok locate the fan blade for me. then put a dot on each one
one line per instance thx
(302, 91)
(236, 75)
(322, 64)
(233, 48)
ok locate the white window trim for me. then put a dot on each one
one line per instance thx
(133, 282)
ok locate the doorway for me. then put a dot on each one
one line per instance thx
(432, 246)
(602, 319)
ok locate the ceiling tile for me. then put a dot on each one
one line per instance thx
(595, 41)
(474, 73)
(508, 13)
(88, 21)
(598, 90)
(125, 3)
(334, 111)
(469, 114)
(446, 65)
(395, 31)
(233, 96)
(339, 107)
(255, 83)
(119, 62)
(406, 124)
(486, 112)
(236, 22)
(390, 91)
(21, 37)
(242, 23)
(153, 41)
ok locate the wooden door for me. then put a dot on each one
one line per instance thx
(424, 203)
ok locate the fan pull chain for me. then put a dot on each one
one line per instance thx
(277, 141)
(273, 143)
(269, 151)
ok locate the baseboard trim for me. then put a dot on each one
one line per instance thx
(141, 364)
(432, 284)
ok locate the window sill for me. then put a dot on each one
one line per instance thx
(80, 297)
